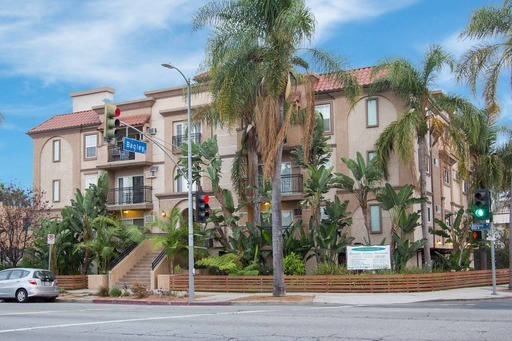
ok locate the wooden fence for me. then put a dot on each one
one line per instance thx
(343, 284)
(72, 282)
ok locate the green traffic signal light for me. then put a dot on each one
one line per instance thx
(479, 212)
(482, 204)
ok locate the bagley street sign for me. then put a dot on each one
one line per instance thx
(136, 146)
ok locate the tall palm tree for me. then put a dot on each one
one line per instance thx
(486, 60)
(250, 57)
(413, 85)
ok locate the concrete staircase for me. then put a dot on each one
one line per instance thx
(139, 273)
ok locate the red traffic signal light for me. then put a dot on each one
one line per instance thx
(202, 207)
(111, 121)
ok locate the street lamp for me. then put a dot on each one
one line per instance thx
(190, 216)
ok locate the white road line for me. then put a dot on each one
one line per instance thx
(130, 320)
(4, 331)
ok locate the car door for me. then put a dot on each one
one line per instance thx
(3, 282)
(13, 282)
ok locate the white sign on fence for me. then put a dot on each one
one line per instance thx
(51, 239)
(372, 257)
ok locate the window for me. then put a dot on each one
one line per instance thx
(428, 214)
(372, 118)
(464, 186)
(56, 150)
(446, 177)
(286, 219)
(90, 180)
(325, 110)
(370, 155)
(436, 162)
(438, 208)
(375, 219)
(182, 185)
(130, 190)
(91, 142)
(448, 219)
(56, 191)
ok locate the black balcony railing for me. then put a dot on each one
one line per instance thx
(129, 195)
(290, 183)
(116, 153)
(178, 140)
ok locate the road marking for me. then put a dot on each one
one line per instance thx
(4, 331)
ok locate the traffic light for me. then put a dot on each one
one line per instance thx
(112, 112)
(477, 235)
(202, 207)
(482, 204)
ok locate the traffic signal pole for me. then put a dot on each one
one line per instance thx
(493, 262)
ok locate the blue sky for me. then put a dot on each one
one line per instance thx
(50, 48)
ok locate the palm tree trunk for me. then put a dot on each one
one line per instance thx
(366, 218)
(422, 143)
(253, 166)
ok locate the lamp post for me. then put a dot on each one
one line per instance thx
(190, 216)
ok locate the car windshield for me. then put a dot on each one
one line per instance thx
(44, 275)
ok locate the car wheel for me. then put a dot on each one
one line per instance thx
(21, 296)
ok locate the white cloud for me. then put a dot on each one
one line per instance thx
(330, 13)
(116, 43)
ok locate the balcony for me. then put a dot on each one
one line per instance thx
(113, 157)
(291, 184)
(130, 198)
(178, 140)
(116, 153)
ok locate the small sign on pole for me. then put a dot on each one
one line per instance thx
(51, 239)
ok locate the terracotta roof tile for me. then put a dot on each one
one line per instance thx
(363, 76)
(86, 118)
(135, 120)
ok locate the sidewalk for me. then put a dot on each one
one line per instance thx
(221, 298)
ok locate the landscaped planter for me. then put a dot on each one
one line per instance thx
(95, 282)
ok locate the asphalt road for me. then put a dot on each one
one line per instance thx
(447, 320)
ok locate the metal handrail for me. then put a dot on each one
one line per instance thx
(158, 259)
(123, 255)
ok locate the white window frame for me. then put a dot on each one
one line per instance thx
(56, 190)
(375, 221)
(372, 112)
(446, 176)
(91, 146)
(56, 150)
(325, 110)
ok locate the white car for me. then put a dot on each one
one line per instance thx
(24, 283)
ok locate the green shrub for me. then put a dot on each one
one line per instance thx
(293, 265)
(331, 269)
(115, 292)
(103, 292)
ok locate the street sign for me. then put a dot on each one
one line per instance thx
(479, 226)
(51, 239)
(136, 146)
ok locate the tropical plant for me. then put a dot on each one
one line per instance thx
(249, 61)
(330, 239)
(107, 243)
(367, 177)
(298, 241)
(456, 234)
(174, 237)
(413, 85)
(83, 210)
(402, 224)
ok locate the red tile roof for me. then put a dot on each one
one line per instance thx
(77, 119)
(135, 120)
(363, 76)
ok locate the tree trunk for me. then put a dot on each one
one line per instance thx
(253, 166)
(423, 193)
(366, 218)
(277, 229)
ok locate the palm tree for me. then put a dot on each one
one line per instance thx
(367, 176)
(250, 57)
(414, 86)
(486, 60)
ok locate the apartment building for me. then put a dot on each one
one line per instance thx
(70, 153)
